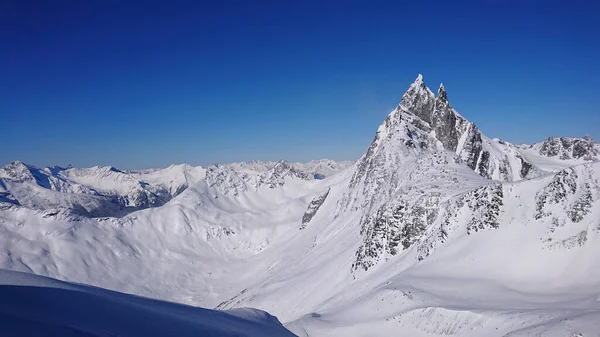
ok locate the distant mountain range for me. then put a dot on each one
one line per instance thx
(107, 191)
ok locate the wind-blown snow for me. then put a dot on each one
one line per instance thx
(38, 306)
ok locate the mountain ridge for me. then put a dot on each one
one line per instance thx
(109, 191)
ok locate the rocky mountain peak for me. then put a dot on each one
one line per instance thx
(441, 95)
(425, 130)
(225, 180)
(419, 80)
(281, 165)
(418, 100)
(17, 171)
(275, 177)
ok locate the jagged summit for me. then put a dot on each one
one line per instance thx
(442, 93)
(419, 79)
(418, 99)
(425, 149)
(427, 121)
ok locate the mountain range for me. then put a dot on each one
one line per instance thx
(436, 230)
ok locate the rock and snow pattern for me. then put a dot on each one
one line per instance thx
(107, 191)
(96, 191)
(437, 230)
(313, 207)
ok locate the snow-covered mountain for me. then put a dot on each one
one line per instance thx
(491, 158)
(107, 191)
(95, 191)
(415, 174)
(436, 230)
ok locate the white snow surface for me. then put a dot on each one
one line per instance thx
(38, 306)
(406, 241)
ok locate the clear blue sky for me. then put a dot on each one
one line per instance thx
(138, 84)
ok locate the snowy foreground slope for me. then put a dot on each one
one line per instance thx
(38, 306)
(436, 230)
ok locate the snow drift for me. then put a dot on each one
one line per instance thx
(38, 306)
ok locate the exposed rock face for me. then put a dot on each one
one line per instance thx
(275, 177)
(426, 221)
(570, 148)
(400, 199)
(419, 100)
(17, 171)
(484, 164)
(447, 124)
(394, 228)
(525, 167)
(437, 115)
(226, 180)
(484, 204)
(473, 147)
(313, 207)
(572, 189)
(142, 198)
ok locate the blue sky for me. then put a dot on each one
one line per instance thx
(145, 84)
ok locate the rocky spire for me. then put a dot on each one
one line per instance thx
(445, 121)
(418, 100)
(418, 81)
(441, 95)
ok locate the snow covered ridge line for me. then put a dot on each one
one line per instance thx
(39, 306)
(107, 191)
(314, 169)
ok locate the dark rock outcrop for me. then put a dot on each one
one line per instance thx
(313, 207)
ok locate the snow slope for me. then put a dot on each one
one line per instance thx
(426, 235)
(38, 306)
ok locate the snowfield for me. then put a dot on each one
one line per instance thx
(38, 306)
(436, 230)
